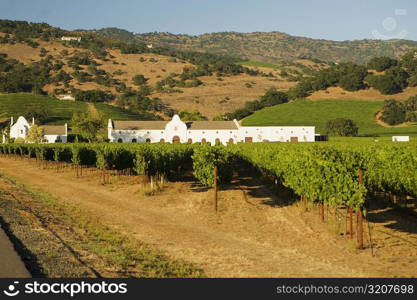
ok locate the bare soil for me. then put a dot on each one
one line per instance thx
(257, 232)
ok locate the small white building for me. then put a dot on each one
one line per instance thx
(401, 138)
(71, 38)
(66, 97)
(52, 133)
(204, 131)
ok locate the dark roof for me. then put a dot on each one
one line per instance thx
(211, 125)
(139, 125)
(53, 129)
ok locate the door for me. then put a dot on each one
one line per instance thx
(248, 139)
(176, 139)
(294, 139)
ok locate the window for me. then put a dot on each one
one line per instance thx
(217, 132)
(147, 132)
(134, 140)
(148, 140)
(120, 141)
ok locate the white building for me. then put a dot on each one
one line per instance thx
(52, 134)
(70, 38)
(204, 131)
(401, 138)
(66, 97)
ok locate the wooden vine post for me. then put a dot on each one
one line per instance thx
(350, 222)
(215, 189)
(360, 216)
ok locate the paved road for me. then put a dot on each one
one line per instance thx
(11, 265)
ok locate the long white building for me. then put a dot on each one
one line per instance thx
(204, 131)
(52, 133)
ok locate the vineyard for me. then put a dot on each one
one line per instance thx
(341, 176)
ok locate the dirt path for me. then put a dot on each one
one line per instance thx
(11, 265)
(253, 238)
(382, 123)
(93, 110)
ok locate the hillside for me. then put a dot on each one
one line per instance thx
(96, 63)
(318, 112)
(58, 112)
(102, 67)
(206, 97)
(270, 47)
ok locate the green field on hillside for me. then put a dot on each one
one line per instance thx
(318, 112)
(259, 64)
(58, 111)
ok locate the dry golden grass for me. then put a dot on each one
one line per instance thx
(152, 70)
(27, 54)
(368, 94)
(209, 98)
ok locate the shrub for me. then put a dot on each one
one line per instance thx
(394, 81)
(341, 127)
(139, 79)
(382, 63)
(393, 112)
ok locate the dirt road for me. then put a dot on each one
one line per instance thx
(253, 238)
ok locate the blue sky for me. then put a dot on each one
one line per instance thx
(324, 19)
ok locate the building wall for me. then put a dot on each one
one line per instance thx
(141, 136)
(278, 133)
(52, 138)
(177, 128)
(20, 129)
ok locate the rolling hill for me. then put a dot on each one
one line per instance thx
(318, 112)
(108, 69)
(270, 47)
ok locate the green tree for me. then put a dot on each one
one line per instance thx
(341, 127)
(394, 112)
(35, 134)
(393, 81)
(87, 126)
(273, 97)
(139, 80)
(191, 115)
(382, 63)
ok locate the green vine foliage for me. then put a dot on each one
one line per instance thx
(322, 172)
(205, 157)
